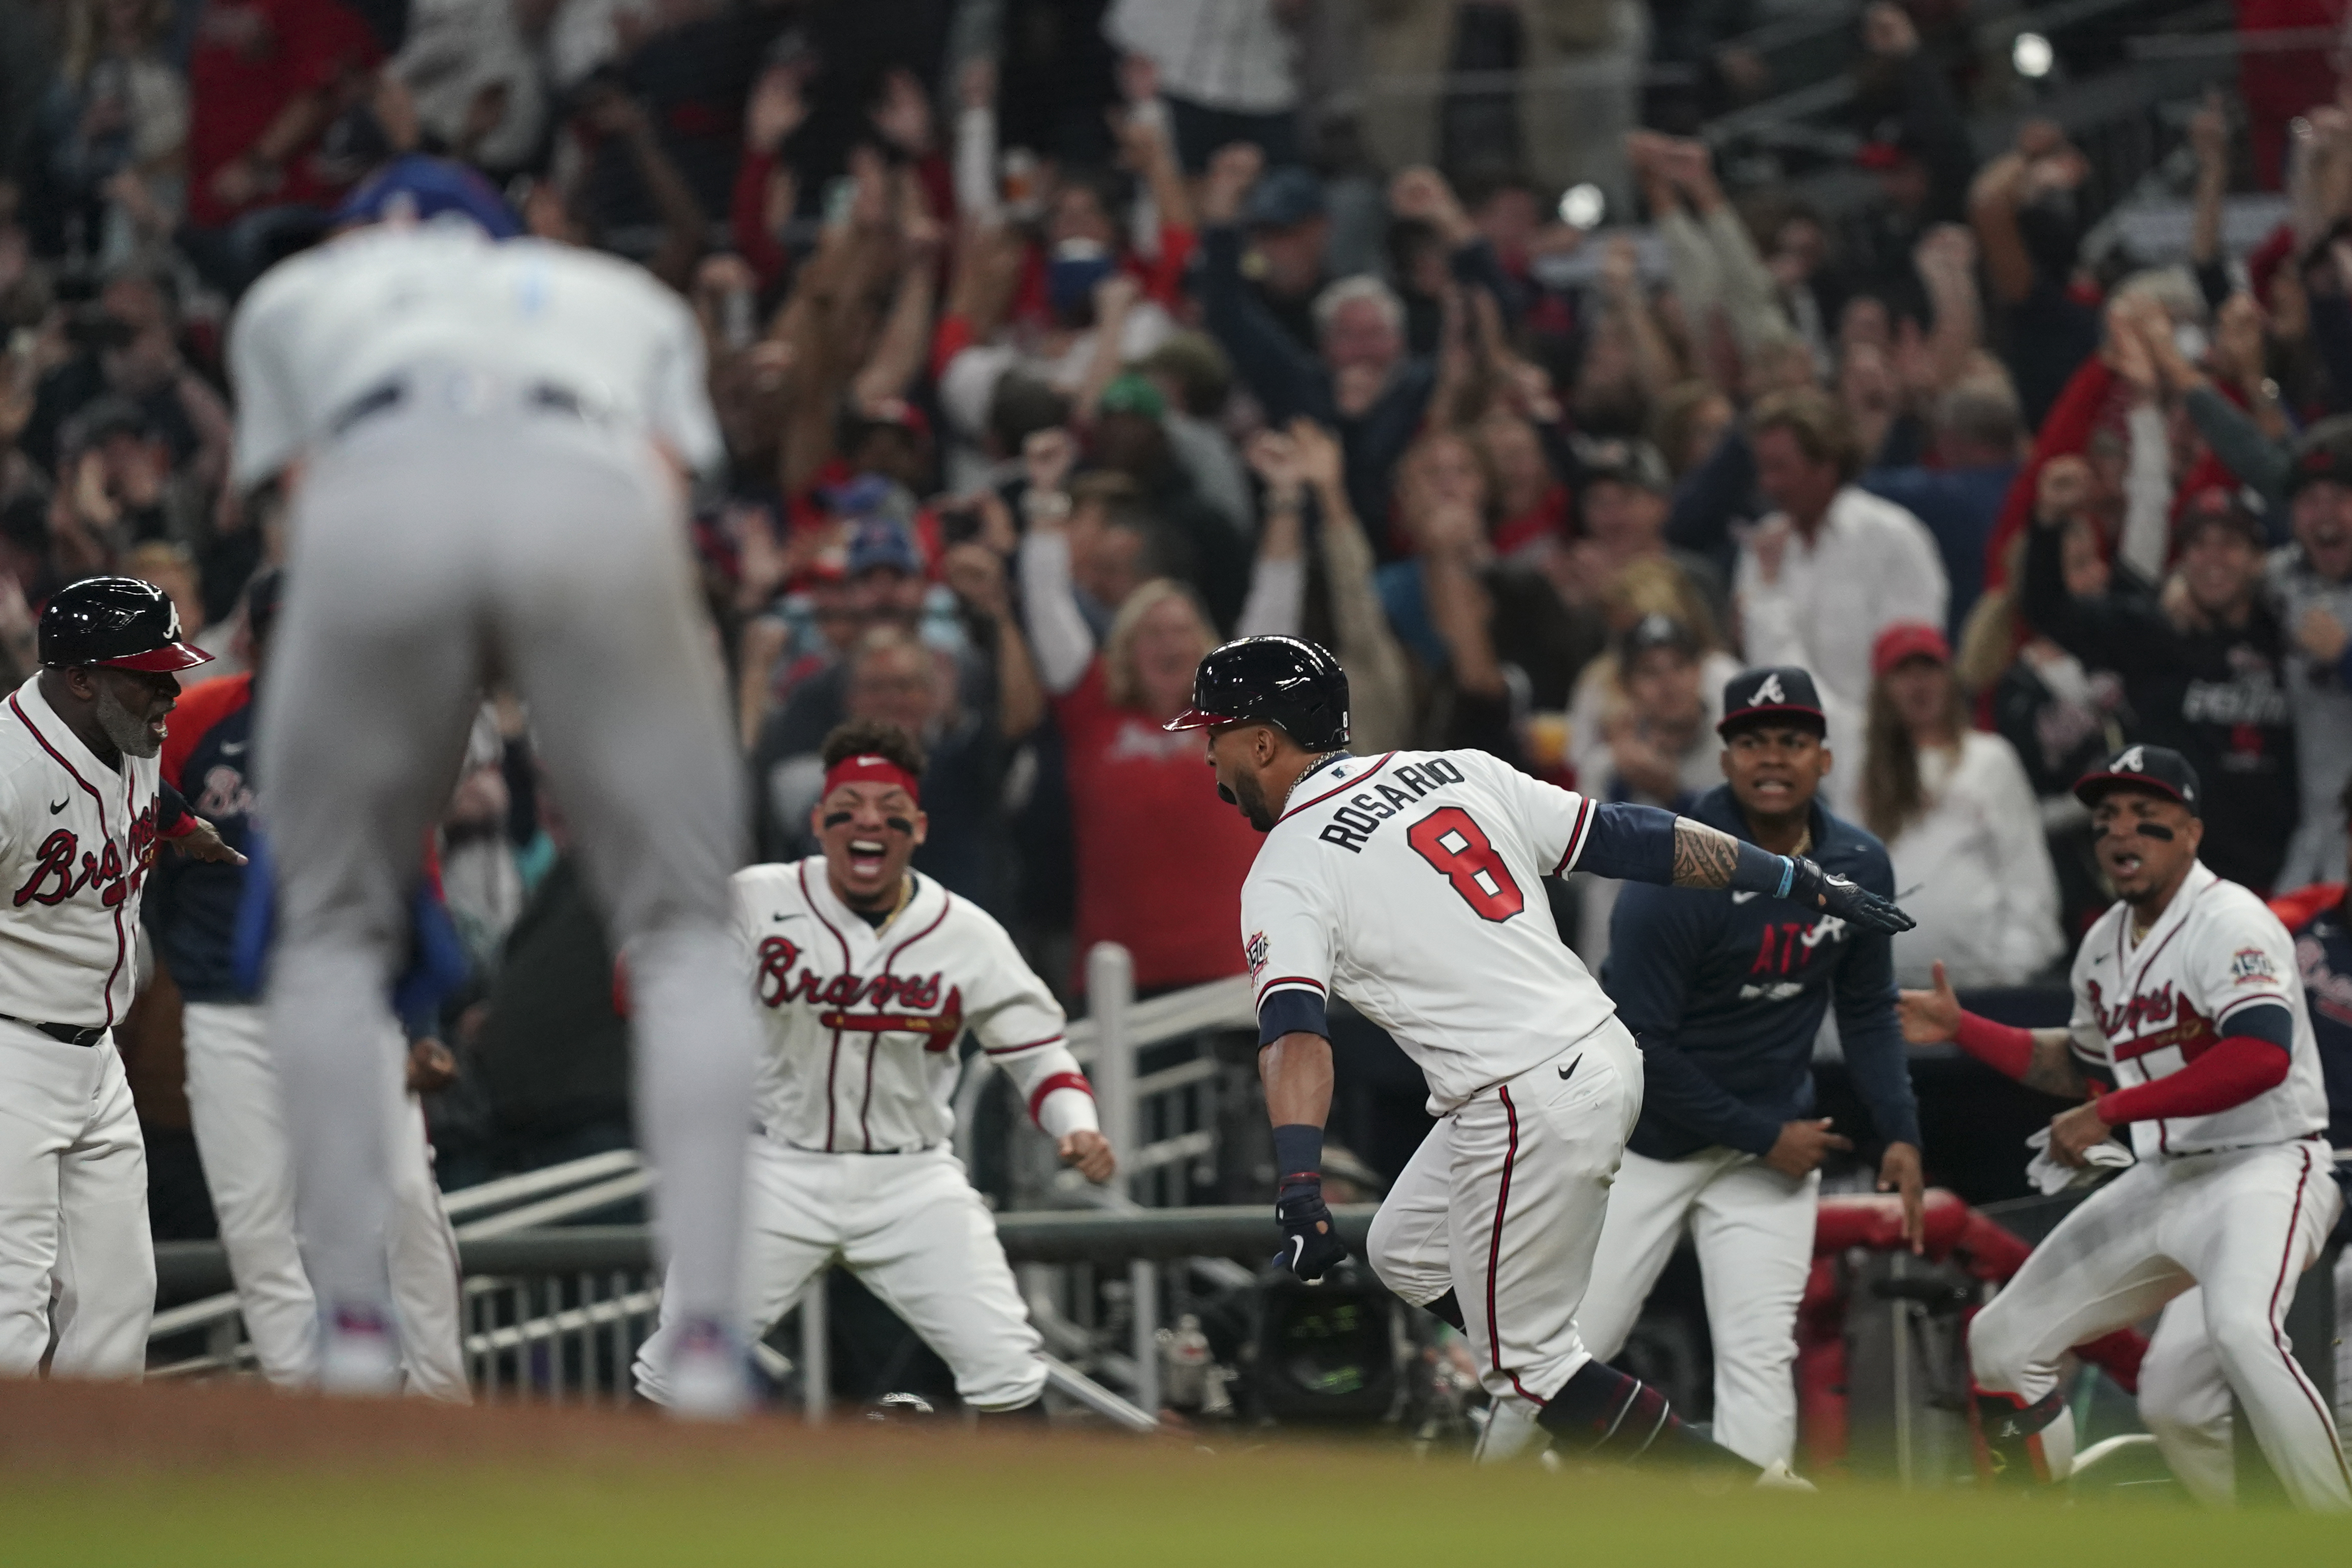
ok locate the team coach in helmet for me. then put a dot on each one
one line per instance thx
(81, 811)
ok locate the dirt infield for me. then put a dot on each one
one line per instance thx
(185, 1476)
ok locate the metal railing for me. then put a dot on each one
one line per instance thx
(555, 1310)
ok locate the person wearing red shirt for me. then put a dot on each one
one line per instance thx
(265, 77)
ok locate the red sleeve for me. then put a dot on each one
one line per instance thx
(952, 336)
(1083, 707)
(747, 219)
(2004, 1047)
(1163, 281)
(2297, 908)
(2229, 1073)
(200, 707)
(2064, 432)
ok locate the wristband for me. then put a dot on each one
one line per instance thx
(2004, 1047)
(1298, 1151)
(1761, 871)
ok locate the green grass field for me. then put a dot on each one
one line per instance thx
(518, 1489)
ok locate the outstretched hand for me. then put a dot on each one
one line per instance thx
(204, 842)
(1930, 1017)
(1088, 1152)
(1814, 889)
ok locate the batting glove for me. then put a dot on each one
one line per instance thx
(1310, 1242)
(1810, 887)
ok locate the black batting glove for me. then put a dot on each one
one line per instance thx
(1310, 1242)
(1814, 888)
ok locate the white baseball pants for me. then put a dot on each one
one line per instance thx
(431, 552)
(1502, 1204)
(913, 1231)
(1754, 1230)
(240, 1126)
(76, 1264)
(2243, 1226)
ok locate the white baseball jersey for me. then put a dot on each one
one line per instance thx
(1413, 884)
(2145, 1010)
(75, 840)
(325, 328)
(862, 1025)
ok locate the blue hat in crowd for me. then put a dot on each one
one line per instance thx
(422, 188)
(1284, 197)
(880, 543)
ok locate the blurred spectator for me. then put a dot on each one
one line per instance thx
(1626, 493)
(129, 345)
(1224, 67)
(2309, 585)
(1363, 385)
(1196, 382)
(1139, 817)
(2203, 665)
(1978, 439)
(1131, 438)
(116, 127)
(1289, 229)
(1956, 814)
(266, 77)
(2061, 717)
(1833, 565)
(476, 90)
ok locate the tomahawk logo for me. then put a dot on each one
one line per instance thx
(1767, 693)
(2132, 762)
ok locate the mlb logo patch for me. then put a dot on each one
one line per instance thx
(1255, 951)
(2252, 965)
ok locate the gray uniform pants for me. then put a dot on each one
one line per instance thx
(430, 553)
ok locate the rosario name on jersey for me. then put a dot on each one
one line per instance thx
(77, 838)
(2145, 1011)
(862, 1025)
(1413, 884)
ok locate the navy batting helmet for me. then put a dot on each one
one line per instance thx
(1292, 685)
(119, 622)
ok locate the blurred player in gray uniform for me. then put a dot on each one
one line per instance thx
(489, 444)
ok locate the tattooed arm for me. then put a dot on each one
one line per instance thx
(1644, 844)
(1704, 856)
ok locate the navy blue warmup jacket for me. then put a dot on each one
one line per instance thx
(1726, 991)
(191, 905)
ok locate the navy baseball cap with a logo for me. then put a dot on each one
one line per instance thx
(1776, 694)
(2153, 770)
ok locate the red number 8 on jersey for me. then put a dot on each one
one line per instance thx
(1458, 847)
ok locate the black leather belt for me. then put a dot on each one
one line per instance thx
(64, 1033)
(539, 397)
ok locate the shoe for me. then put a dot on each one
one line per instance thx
(709, 1376)
(359, 1353)
(1778, 1477)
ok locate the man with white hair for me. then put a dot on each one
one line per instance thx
(1363, 384)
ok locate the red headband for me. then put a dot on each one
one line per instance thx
(869, 768)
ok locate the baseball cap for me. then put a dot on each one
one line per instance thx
(1282, 197)
(1908, 639)
(1131, 392)
(1656, 629)
(1773, 693)
(2156, 770)
(422, 188)
(2214, 507)
(880, 543)
(2323, 453)
(1617, 462)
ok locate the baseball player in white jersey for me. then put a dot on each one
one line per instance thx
(490, 440)
(1410, 884)
(81, 811)
(2187, 1000)
(867, 975)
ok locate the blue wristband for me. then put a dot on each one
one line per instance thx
(1788, 875)
(1298, 1151)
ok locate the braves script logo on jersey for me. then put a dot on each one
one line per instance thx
(918, 1009)
(62, 867)
(2188, 1029)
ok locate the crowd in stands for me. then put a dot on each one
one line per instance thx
(1056, 342)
